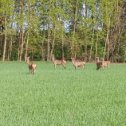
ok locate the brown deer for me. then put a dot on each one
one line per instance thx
(105, 63)
(101, 64)
(98, 63)
(77, 63)
(58, 62)
(31, 65)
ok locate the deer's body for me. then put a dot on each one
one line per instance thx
(31, 65)
(77, 63)
(98, 63)
(105, 63)
(58, 62)
(101, 64)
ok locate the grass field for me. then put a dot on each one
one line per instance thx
(62, 97)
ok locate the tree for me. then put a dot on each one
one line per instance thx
(6, 21)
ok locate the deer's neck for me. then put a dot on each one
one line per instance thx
(73, 61)
(53, 59)
(97, 60)
(29, 63)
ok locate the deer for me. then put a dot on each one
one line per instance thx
(98, 63)
(101, 64)
(31, 65)
(58, 62)
(77, 63)
(105, 63)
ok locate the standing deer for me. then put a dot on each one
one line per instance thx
(77, 63)
(31, 65)
(58, 62)
(101, 64)
(105, 63)
(98, 63)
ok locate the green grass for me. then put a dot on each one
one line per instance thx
(62, 97)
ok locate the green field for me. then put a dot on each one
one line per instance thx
(62, 97)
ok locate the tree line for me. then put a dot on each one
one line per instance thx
(85, 29)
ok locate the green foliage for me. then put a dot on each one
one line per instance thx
(44, 24)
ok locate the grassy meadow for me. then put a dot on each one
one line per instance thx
(62, 97)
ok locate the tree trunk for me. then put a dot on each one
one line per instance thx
(26, 48)
(73, 46)
(96, 47)
(90, 54)
(42, 52)
(48, 44)
(62, 45)
(53, 41)
(10, 49)
(5, 41)
(107, 46)
(21, 32)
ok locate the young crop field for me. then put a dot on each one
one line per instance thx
(62, 97)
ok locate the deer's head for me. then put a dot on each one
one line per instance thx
(28, 60)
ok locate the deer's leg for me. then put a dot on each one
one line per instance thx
(75, 67)
(98, 67)
(55, 66)
(64, 66)
(107, 65)
(30, 71)
(33, 71)
(82, 66)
